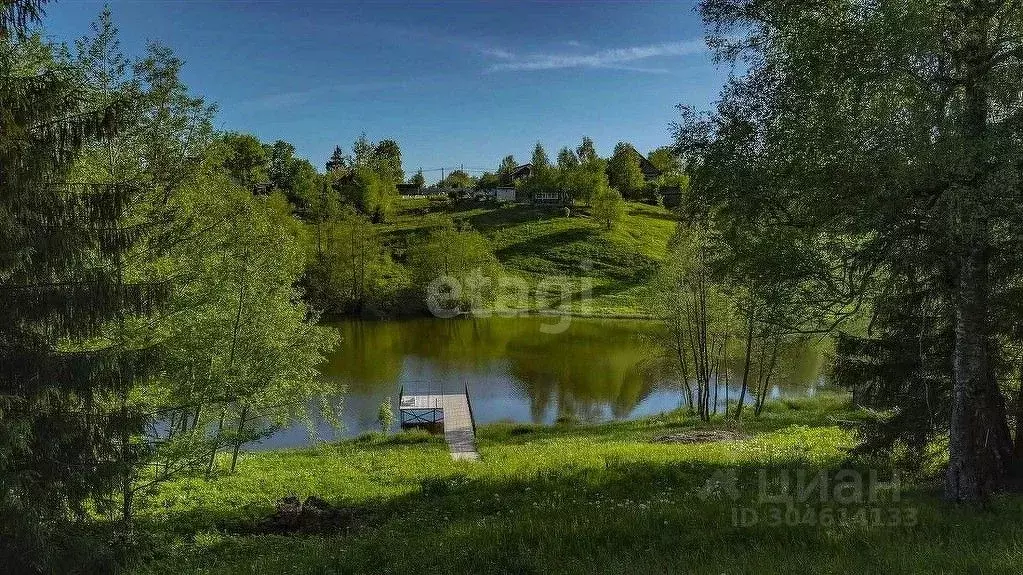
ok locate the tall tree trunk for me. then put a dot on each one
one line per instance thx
(726, 393)
(979, 446)
(216, 445)
(705, 351)
(1018, 447)
(238, 439)
(678, 335)
(762, 398)
(127, 467)
(746, 366)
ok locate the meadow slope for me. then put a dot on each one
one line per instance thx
(575, 499)
(542, 245)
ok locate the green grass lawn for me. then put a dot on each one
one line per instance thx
(573, 499)
(542, 245)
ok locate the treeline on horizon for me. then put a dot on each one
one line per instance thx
(352, 271)
(368, 178)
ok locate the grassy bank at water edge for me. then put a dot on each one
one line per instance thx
(578, 499)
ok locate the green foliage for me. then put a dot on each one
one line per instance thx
(488, 181)
(464, 257)
(66, 369)
(418, 180)
(338, 161)
(504, 171)
(302, 185)
(237, 345)
(295, 177)
(608, 207)
(386, 161)
(884, 181)
(567, 159)
(542, 178)
(156, 222)
(584, 181)
(676, 180)
(245, 159)
(280, 156)
(623, 171)
(673, 175)
(257, 344)
(368, 192)
(697, 316)
(666, 160)
(350, 271)
(385, 416)
(457, 180)
(368, 179)
(362, 152)
(541, 163)
(586, 152)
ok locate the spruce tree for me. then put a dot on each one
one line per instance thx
(60, 263)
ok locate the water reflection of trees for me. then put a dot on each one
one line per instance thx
(595, 369)
(591, 368)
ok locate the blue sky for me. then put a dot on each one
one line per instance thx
(456, 84)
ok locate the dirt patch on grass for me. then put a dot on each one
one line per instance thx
(701, 436)
(314, 515)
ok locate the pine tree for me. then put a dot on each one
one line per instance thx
(59, 275)
(505, 170)
(541, 163)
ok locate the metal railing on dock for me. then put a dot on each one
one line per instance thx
(432, 408)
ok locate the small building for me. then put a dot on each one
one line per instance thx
(409, 190)
(504, 194)
(650, 171)
(671, 196)
(522, 172)
(498, 194)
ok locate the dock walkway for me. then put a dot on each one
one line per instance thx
(453, 410)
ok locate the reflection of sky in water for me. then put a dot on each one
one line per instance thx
(597, 370)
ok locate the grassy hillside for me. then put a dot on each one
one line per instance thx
(542, 246)
(574, 499)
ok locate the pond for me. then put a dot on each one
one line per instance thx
(531, 369)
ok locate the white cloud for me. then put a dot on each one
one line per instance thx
(616, 58)
(281, 100)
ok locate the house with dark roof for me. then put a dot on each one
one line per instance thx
(650, 171)
(521, 172)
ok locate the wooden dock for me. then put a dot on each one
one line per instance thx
(452, 411)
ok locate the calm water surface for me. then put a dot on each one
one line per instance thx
(516, 370)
